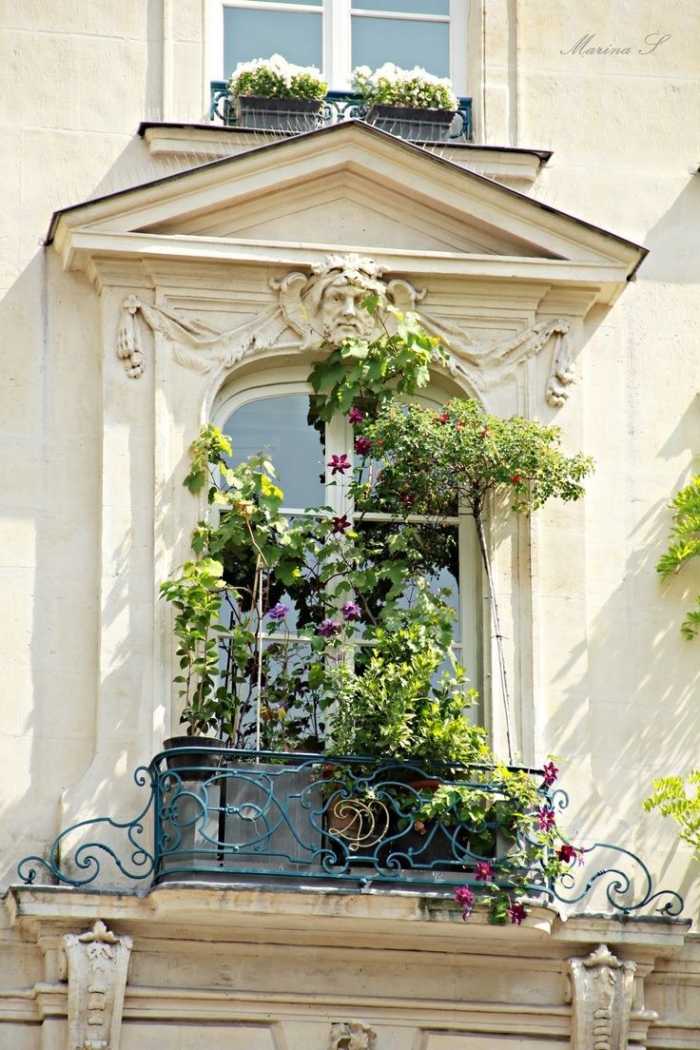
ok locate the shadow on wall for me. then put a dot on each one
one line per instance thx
(640, 717)
(674, 241)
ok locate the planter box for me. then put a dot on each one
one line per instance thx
(425, 125)
(293, 115)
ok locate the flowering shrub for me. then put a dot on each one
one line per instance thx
(276, 78)
(391, 86)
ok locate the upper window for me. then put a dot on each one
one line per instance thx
(338, 35)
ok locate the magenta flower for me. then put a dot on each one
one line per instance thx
(550, 772)
(329, 628)
(355, 415)
(483, 871)
(341, 524)
(444, 418)
(545, 818)
(569, 853)
(352, 611)
(517, 913)
(465, 898)
(362, 446)
(278, 612)
(339, 464)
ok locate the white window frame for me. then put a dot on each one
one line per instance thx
(339, 439)
(336, 18)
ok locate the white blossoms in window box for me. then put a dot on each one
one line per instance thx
(275, 77)
(413, 88)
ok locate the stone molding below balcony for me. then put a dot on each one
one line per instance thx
(198, 143)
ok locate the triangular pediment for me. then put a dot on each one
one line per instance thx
(348, 186)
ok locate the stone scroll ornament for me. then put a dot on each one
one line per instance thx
(97, 966)
(324, 307)
(602, 992)
(351, 1035)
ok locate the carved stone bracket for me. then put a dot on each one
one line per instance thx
(97, 967)
(351, 1035)
(602, 992)
(325, 307)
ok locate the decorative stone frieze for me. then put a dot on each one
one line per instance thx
(602, 989)
(351, 1035)
(324, 306)
(97, 967)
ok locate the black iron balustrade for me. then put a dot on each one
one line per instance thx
(222, 815)
(337, 106)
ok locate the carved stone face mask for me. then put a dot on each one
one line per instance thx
(342, 313)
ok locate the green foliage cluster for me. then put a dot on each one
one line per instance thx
(277, 78)
(684, 546)
(679, 799)
(370, 374)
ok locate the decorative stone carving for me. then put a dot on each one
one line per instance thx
(97, 966)
(352, 1035)
(602, 992)
(325, 307)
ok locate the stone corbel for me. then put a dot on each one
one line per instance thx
(602, 990)
(351, 1035)
(98, 961)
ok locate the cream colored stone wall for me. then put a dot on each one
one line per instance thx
(615, 693)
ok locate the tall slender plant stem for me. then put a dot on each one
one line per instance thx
(496, 621)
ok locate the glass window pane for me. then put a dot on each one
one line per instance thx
(278, 426)
(407, 44)
(306, 3)
(409, 7)
(250, 34)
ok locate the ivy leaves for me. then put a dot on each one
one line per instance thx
(684, 546)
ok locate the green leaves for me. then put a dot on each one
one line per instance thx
(679, 799)
(371, 373)
(684, 545)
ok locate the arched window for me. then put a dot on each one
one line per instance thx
(274, 419)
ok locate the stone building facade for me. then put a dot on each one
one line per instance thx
(159, 270)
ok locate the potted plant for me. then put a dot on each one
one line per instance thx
(411, 103)
(272, 94)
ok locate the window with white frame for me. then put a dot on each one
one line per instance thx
(338, 35)
(274, 419)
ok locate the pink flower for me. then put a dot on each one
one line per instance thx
(444, 418)
(339, 464)
(355, 415)
(362, 446)
(352, 611)
(545, 818)
(517, 913)
(550, 773)
(483, 871)
(465, 898)
(569, 853)
(341, 524)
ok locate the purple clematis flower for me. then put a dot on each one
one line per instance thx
(517, 913)
(545, 818)
(465, 898)
(339, 464)
(483, 871)
(362, 446)
(550, 772)
(352, 611)
(341, 524)
(278, 612)
(355, 415)
(329, 628)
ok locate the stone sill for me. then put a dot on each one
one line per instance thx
(313, 915)
(198, 143)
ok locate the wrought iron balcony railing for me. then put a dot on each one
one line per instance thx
(234, 816)
(337, 106)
